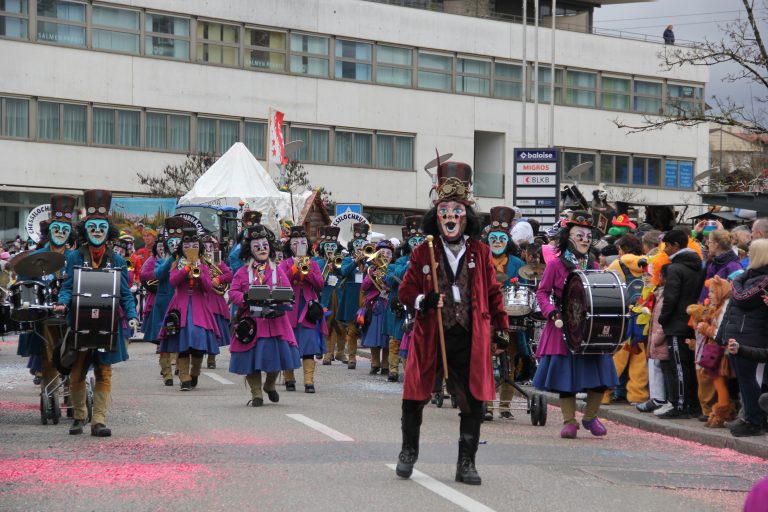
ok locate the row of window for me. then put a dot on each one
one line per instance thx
(636, 171)
(140, 32)
(79, 123)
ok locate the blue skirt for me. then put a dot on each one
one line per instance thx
(311, 342)
(223, 324)
(575, 373)
(375, 336)
(267, 355)
(191, 336)
(30, 344)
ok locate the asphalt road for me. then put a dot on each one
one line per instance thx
(205, 450)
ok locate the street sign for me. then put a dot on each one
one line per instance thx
(35, 217)
(351, 207)
(346, 218)
(537, 183)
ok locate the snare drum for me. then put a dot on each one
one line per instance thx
(594, 306)
(95, 305)
(29, 301)
(517, 301)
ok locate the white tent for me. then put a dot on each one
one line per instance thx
(237, 176)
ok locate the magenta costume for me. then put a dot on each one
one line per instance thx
(221, 309)
(148, 274)
(306, 288)
(274, 346)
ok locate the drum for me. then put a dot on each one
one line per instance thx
(594, 310)
(29, 300)
(517, 301)
(535, 308)
(96, 308)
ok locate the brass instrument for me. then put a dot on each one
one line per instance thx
(302, 263)
(129, 265)
(335, 262)
(222, 288)
(377, 270)
(367, 250)
(192, 259)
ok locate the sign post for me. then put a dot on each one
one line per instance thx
(35, 217)
(537, 183)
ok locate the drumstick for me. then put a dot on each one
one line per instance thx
(439, 309)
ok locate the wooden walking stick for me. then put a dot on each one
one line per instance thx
(439, 308)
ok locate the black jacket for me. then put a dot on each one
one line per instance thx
(746, 319)
(684, 278)
(757, 354)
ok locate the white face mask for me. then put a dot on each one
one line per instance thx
(581, 239)
(260, 249)
(299, 247)
(452, 219)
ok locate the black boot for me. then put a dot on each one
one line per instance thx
(469, 437)
(100, 430)
(76, 428)
(411, 426)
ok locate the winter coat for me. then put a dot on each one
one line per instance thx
(746, 319)
(306, 288)
(683, 281)
(195, 291)
(721, 265)
(753, 353)
(657, 342)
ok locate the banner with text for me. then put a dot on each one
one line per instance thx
(537, 183)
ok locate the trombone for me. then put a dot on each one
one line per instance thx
(334, 262)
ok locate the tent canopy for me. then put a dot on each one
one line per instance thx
(238, 177)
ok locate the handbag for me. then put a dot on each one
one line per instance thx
(245, 330)
(314, 311)
(710, 357)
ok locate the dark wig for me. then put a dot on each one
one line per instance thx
(430, 227)
(245, 249)
(287, 248)
(161, 240)
(565, 236)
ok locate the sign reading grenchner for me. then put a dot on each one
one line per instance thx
(537, 183)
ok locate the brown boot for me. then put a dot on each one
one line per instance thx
(720, 414)
(309, 375)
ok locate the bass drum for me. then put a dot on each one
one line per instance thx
(594, 310)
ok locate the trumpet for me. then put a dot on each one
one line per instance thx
(195, 272)
(335, 262)
(129, 265)
(378, 270)
(221, 289)
(302, 263)
(369, 249)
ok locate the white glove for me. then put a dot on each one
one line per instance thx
(134, 288)
(133, 324)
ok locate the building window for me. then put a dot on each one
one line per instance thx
(683, 100)
(678, 174)
(508, 81)
(435, 71)
(614, 169)
(15, 117)
(354, 148)
(316, 143)
(385, 217)
(256, 138)
(114, 127)
(62, 122)
(61, 21)
(166, 36)
(394, 65)
(229, 133)
(216, 136)
(218, 43)
(353, 60)
(580, 88)
(647, 97)
(394, 152)
(115, 29)
(645, 171)
(545, 77)
(265, 49)
(473, 76)
(571, 159)
(14, 19)
(309, 55)
(616, 93)
(167, 132)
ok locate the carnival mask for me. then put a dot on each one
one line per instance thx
(580, 239)
(602, 195)
(119, 250)
(97, 231)
(210, 248)
(498, 242)
(191, 250)
(415, 241)
(330, 249)
(59, 233)
(173, 244)
(358, 243)
(279, 256)
(260, 249)
(160, 248)
(298, 246)
(452, 220)
(385, 254)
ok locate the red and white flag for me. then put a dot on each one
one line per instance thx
(276, 142)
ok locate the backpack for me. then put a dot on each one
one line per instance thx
(634, 285)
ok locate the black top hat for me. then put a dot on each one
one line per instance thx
(297, 232)
(251, 218)
(578, 218)
(174, 226)
(189, 234)
(329, 233)
(360, 230)
(501, 218)
(257, 231)
(97, 202)
(63, 208)
(412, 227)
(454, 182)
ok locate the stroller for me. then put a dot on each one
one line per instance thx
(55, 396)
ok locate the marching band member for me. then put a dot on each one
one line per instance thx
(352, 273)
(329, 250)
(95, 230)
(263, 343)
(471, 302)
(41, 341)
(190, 327)
(158, 269)
(307, 316)
(248, 219)
(559, 370)
(221, 282)
(395, 313)
(376, 301)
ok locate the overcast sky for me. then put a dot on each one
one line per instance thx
(693, 20)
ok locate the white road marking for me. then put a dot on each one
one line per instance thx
(333, 434)
(449, 493)
(217, 378)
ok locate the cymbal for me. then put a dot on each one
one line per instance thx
(40, 264)
(533, 271)
(16, 259)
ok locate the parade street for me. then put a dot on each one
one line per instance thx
(335, 450)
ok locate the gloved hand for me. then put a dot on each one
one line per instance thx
(133, 323)
(431, 300)
(134, 288)
(501, 339)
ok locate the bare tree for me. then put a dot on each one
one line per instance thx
(625, 195)
(177, 180)
(296, 179)
(742, 44)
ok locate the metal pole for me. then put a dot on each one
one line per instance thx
(536, 74)
(552, 80)
(525, 70)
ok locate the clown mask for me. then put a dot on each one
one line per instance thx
(358, 243)
(210, 248)
(415, 241)
(173, 244)
(299, 246)
(385, 254)
(97, 230)
(330, 249)
(498, 242)
(260, 249)
(59, 233)
(160, 248)
(580, 239)
(119, 250)
(452, 220)
(191, 250)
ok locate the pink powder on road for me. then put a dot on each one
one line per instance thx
(16, 406)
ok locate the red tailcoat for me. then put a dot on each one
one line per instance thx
(487, 308)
